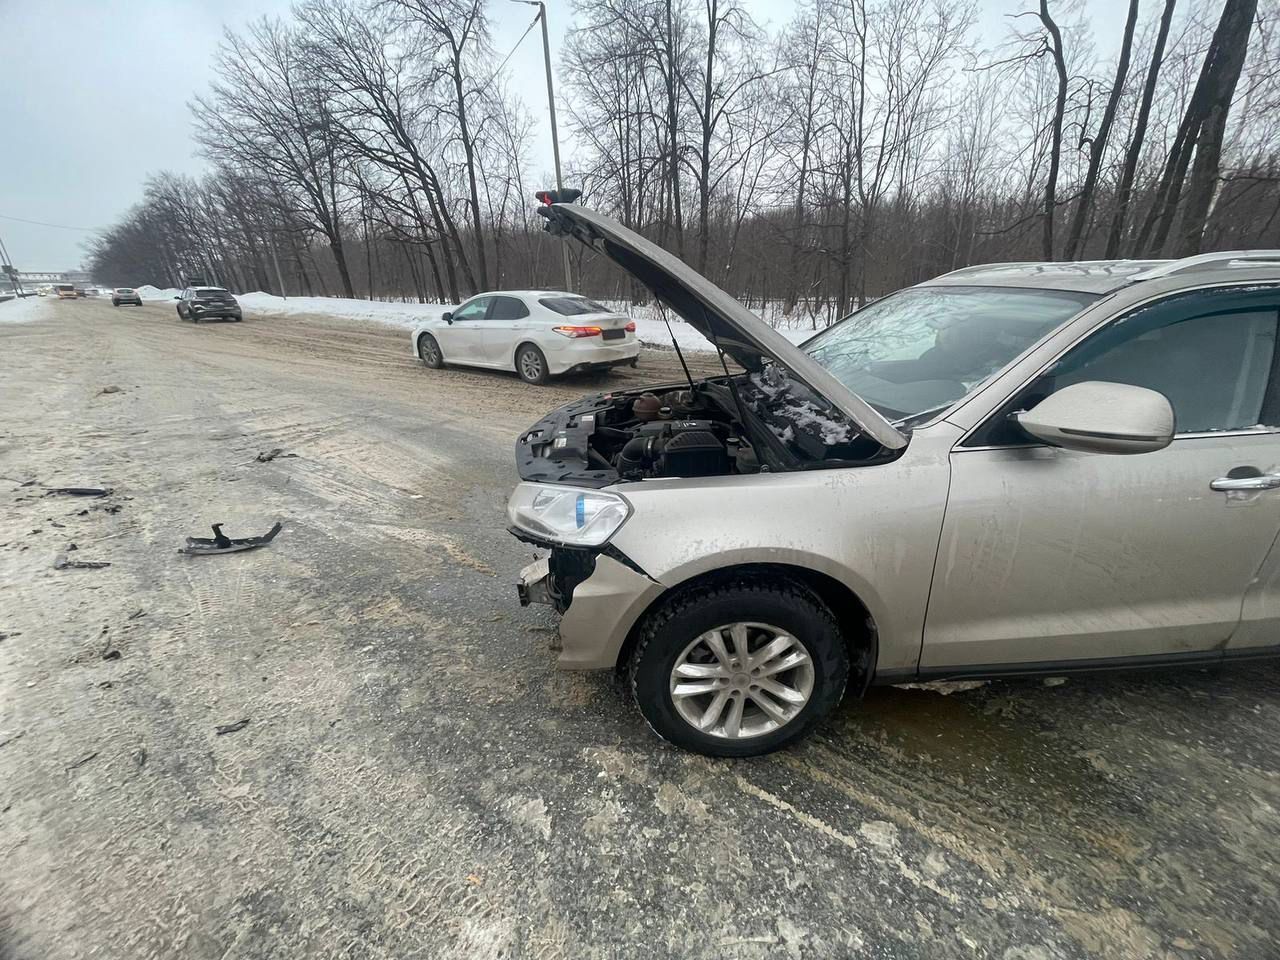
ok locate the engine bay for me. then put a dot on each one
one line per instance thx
(742, 424)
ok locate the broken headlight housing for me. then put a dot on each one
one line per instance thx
(573, 516)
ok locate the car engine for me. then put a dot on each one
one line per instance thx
(716, 427)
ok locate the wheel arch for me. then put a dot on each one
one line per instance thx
(417, 342)
(521, 344)
(857, 625)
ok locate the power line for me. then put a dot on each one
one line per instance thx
(59, 226)
(494, 76)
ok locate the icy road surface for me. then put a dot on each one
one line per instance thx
(415, 779)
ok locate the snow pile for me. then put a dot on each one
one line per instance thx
(148, 292)
(376, 311)
(653, 331)
(23, 310)
(650, 328)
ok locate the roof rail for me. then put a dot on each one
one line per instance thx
(1223, 258)
(976, 267)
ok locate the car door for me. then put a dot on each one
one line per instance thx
(503, 329)
(460, 338)
(1050, 556)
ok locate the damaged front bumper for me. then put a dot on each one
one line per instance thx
(600, 595)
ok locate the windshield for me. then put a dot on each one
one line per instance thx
(572, 306)
(924, 348)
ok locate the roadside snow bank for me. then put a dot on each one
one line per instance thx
(23, 309)
(378, 311)
(649, 325)
(654, 332)
(148, 292)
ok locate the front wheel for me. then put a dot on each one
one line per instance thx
(739, 668)
(429, 352)
(531, 364)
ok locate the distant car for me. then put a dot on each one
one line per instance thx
(536, 333)
(64, 291)
(125, 295)
(207, 303)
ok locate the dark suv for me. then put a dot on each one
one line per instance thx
(207, 303)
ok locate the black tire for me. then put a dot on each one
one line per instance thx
(429, 352)
(531, 364)
(669, 629)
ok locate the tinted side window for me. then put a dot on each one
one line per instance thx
(472, 310)
(1213, 368)
(507, 308)
(1211, 353)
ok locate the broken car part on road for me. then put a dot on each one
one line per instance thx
(221, 543)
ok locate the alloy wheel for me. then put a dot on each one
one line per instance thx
(530, 365)
(742, 680)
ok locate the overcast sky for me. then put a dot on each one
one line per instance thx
(93, 98)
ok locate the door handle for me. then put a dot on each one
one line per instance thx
(1262, 481)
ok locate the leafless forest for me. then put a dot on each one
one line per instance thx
(381, 148)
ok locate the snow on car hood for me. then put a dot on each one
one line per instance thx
(713, 313)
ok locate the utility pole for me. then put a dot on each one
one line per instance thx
(551, 106)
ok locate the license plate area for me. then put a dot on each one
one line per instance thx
(613, 334)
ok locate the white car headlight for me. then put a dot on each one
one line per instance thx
(574, 516)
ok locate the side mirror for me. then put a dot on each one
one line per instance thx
(1099, 417)
(447, 316)
(178, 297)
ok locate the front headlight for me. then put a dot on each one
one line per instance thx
(570, 515)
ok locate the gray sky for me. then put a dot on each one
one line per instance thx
(93, 97)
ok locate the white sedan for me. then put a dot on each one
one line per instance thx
(536, 333)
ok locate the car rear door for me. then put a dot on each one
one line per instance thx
(1050, 556)
(504, 328)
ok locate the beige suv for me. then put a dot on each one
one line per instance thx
(1011, 469)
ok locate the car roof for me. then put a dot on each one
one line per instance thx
(531, 293)
(1097, 276)
(1104, 276)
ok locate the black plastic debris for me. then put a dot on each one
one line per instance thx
(267, 456)
(82, 761)
(12, 738)
(63, 562)
(231, 727)
(79, 491)
(221, 543)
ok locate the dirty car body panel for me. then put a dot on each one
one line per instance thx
(950, 541)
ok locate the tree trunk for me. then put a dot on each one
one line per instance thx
(1232, 42)
(1201, 130)
(1055, 146)
(469, 150)
(1098, 146)
(1125, 189)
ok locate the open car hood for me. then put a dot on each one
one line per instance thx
(713, 313)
